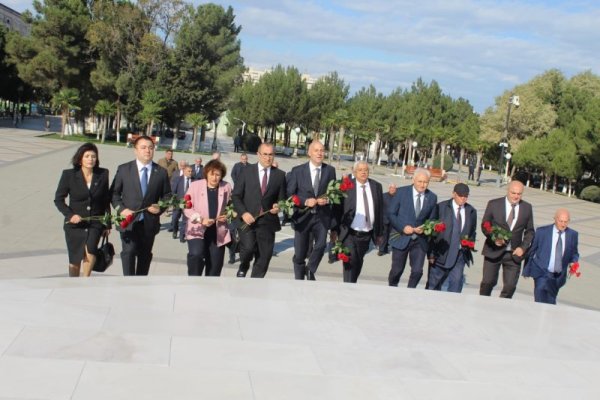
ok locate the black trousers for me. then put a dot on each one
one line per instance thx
(383, 247)
(205, 256)
(358, 243)
(256, 242)
(415, 253)
(136, 249)
(510, 275)
(316, 234)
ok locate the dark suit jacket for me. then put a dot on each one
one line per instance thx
(300, 183)
(127, 192)
(444, 211)
(522, 233)
(387, 199)
(402, 213)
(199, 174)
(237, 169)
(82, 201)
(349, 210)
(248, 198)
(541, 249)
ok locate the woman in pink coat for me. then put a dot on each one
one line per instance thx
(207, 232)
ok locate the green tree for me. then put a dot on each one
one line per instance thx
(196, 120)
(152, 108)
(105, 109)
(65, 100)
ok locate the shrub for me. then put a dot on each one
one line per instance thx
(447, 162)
(591, 193)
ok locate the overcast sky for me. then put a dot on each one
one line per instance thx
(473, 49)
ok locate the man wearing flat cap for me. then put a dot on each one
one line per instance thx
(451, 249)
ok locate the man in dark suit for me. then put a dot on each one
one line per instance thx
(554, 248)
(238, 167)
(409, 209)
(309, 182)
(515, 215)
(447, 256)
(387, 198)
(198, 169)
(362, 219)
(139, 184)
(179, 186)
(257, 191)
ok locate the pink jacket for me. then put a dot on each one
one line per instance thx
(198, 190)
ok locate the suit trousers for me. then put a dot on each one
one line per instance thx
(415, 253)
(205, 256)
(137, 246)
(383, 247)
(175, 224)
(438, 275)
(358, 245)
(510, 275)
(546, 288)
(258, 242)
(314, 233)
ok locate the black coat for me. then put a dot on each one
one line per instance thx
(441, 243)
(349, 210)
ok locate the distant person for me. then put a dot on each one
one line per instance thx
(216, 155)
(86, 186)
(168, 163)
(554, 248)
(237, 143)
(238, 167)
(198, 169)
(512, 214)
(179, 187)
(207, 232)
(471, 169)
(387, 198)
(139, 184)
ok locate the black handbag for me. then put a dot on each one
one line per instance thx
(106, 253)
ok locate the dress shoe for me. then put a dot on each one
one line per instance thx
(231, 260)
(380, 253)
(241, 274)
(311, 276)
(170, 230)
(174, 235)
(182, 239)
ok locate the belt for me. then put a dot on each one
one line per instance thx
(360, 233)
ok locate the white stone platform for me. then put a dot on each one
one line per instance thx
(226, 338)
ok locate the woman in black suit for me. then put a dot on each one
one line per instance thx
(86, 185)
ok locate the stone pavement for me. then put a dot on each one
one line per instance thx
(173, 336)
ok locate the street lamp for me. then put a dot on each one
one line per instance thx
(215, 146)
(512, 101)
(297, 130)
(414, 152)
(508, 156)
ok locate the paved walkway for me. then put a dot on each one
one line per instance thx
(33, 245)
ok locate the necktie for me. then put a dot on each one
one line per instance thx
(187, 184)
(367, 212)
(316, 181)
(418, 205)
(263, 185)
(558, 253)
(459, 219)
(511, 216)
(144, 181)
(453, 250)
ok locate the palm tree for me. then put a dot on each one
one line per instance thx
(105, 109)
(65, 100)
(196, 120)
(152, 108)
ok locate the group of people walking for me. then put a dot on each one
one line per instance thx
(400, 219)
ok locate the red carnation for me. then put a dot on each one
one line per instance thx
(574, 269)
(296, 200)
(467, 243)
(188, 204)
(439, 228)
(129, 218)
(487, 227)
(342, 257)
(187, 197)
(346, 184)
(124, 224)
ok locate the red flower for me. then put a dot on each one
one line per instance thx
(129, 218)
(296, 200)
(342, 257)
(187, 197)
(188, 204)
(574, 269)
(439, 228)
(346, 184)
(467, 243)
(487, 227)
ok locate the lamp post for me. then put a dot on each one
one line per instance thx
(508, 157)
(414, 152)
(297, 130)
(215, 146)
(512, 101)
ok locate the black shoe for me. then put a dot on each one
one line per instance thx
(311, 276)
(170, 230)
(380, 253)
(231, 260)
(181, 239)
(241, 274)
(331, 260)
